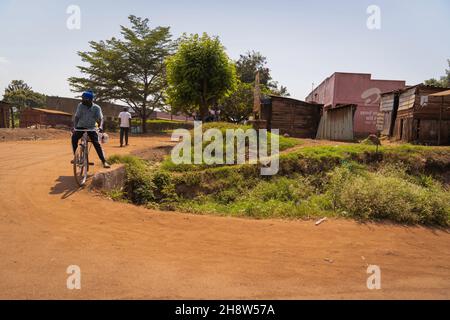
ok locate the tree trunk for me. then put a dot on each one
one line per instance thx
(203, 111)
(144, 123)
(144, 115)
(204, 105)
(144, 119)
(12, 118)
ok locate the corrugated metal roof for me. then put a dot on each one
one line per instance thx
(398, 90)
(293, 99)
(406, 88)
(441, 94)
(52, 111)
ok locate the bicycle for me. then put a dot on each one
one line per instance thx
(81, 159)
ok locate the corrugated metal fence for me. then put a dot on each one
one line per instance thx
(337, 124)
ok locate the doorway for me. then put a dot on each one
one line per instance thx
(401, 129)
(394, 114)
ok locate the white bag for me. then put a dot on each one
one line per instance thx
(104, 138)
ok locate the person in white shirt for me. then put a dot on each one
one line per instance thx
(125, 124)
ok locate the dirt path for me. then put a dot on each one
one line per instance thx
(129, 252)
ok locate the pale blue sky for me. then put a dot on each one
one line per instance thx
(304, 41)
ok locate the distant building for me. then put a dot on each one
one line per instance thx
(414, 114)
(36, 117)
(110, 110)
(5, 114)
(357, 96)
(161, 115)
(69, 105)
(293, 117)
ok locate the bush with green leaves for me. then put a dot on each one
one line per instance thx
(139, 187)
(381, 195)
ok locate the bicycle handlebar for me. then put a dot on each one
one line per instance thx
(86, 130)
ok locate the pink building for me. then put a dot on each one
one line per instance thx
(358, 89)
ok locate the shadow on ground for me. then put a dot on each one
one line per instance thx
(66, 186)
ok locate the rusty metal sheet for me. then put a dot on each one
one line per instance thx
(337, 124)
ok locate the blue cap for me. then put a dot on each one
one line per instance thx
(88, 95)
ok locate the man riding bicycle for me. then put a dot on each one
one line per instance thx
(87, 116)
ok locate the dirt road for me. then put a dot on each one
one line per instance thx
(46, 224)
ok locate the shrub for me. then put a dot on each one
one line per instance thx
(139, 185)
(377, 195)
(164, 187)
(228, 196)
(283, 189)
(116, 195)
(111, 125)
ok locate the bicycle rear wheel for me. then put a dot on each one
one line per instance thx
(80, 165)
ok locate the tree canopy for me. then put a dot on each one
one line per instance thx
(252, 62)
(20, 95)
(238, 105)
(130, 69)
(199, 74)
(443, 82)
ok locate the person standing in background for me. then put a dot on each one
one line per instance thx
(125, 124)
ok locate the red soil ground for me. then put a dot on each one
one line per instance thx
(47, 224)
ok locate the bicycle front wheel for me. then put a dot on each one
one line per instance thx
(80, 166)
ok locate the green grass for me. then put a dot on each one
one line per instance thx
(116, 195)
(128, 160)
(360, 194)
(285, 143)
(402, 184)
(379, 196)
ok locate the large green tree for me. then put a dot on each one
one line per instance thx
(443, 82)
(238, 105)
(248, 64)
(199, 74)
(130, 69)
(20, 95)
(252, 62)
